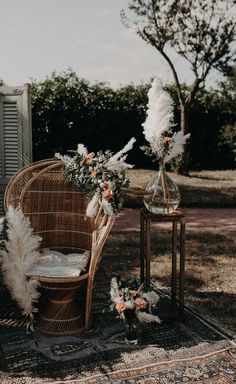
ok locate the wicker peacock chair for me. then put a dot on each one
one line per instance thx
(57, 213)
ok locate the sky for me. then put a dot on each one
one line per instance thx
(40, 36)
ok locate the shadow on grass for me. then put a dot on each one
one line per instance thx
(211, 197)
(219, 307)
(191, 196)
(212, 177)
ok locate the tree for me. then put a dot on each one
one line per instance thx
(227, 142)
(58, 107)
(68, 110)
(200, 31)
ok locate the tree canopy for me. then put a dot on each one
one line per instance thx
(200, 31)
(68, 110)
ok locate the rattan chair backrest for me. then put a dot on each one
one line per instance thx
(55, 206)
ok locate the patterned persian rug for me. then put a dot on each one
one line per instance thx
(173, 352)
(216, 368)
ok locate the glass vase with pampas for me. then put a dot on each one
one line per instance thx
(161, 195)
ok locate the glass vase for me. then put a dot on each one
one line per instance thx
(131, 334)
(161, 195)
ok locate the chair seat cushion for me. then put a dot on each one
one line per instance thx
(56, 264)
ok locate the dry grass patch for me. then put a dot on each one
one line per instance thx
(199, 189)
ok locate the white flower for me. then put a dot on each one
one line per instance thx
(147, 317)
(93, 206)
(82, 150)
(179, 140)
(107, 207)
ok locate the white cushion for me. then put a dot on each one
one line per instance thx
(56, 264)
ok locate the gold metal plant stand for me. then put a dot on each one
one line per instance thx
(176, 218)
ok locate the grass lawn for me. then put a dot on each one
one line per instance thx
(199, 189)
(211, 260)
(210, 269)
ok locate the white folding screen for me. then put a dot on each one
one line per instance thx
(15, 133)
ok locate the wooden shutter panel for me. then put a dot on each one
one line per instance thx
(11, 138)
(15, 133)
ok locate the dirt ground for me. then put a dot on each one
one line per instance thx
(196, 219)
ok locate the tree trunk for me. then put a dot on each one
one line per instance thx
(184, 118)
(183, 166)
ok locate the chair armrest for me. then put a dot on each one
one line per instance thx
(100, 235)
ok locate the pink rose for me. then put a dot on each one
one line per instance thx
(89, 158)
(120, 306)
(140, 303)
(107, 194)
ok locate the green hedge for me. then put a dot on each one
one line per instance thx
(68, 110)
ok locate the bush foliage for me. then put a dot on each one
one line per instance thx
(68, 110)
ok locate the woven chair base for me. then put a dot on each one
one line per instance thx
(63, 311)
(53, 327)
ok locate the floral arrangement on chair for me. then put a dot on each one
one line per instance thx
(101, 176)
(133, 303)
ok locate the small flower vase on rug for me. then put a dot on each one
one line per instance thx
(161, 195)
(134, 306)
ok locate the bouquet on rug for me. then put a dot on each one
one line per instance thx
(132, 302)
(100, 176)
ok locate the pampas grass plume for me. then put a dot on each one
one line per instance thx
(160, 115)
(21, 250)
(118, 161)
